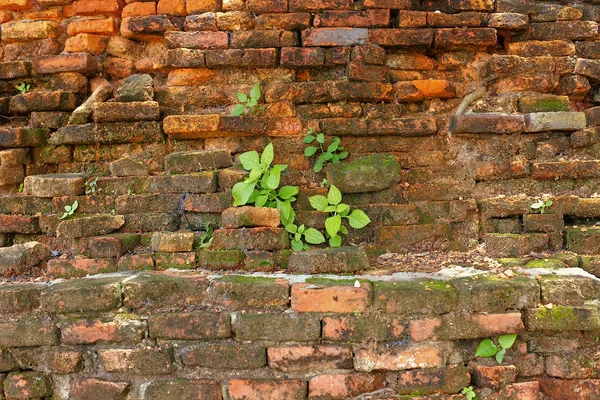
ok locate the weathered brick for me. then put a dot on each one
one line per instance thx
(454, 39)
(309, 358)
(20, 298)
(560, 318)
(172, 242)
(338, 386)
(181, 326)
(244, 293)
(319, 5)
(29, 30)
(276, 327)
(334, 36)
(79, 267)
(146, 361)
(574, 30)
(387, 358)
(250, 239)
(131, 111)
(184, 389)
(97, 389)
(440, 380)
(226, 356)
(89, 295)
(428, 297)
(197, 40)
(90, 331)
(197, 161)
(329, 297)
(401, 37)
(490, 294)
(25, 385)
(163, 291)
(355, 328)
(496, 377)
(84, 63)
(240, 389)
(28, 333)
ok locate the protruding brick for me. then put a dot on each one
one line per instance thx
(74, 62)
(97, 389)
(139, 361)
(26, 385)
(397, 358)
(197, 161)
(344, 385)
(307, 297)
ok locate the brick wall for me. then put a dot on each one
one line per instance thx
(386, 76)
(176, 335)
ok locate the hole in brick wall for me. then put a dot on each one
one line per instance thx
(394, 18)
(578, 220)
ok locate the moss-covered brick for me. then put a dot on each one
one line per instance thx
(568, 290)
(573, 365)
(584, 240)
(193, 325)
(261, 261)
(7, 362)
(365, 174)
(85, 295)
(330, 260)
(27, 385)
(550, 263)
(225, 356)
(220, 259)
(543, 103)
(590, 264)
(79, 267)
(172, 242)
(57, 360)
(238, 292)
(414, 297)
(514, 245)
(439, 380)
(198, 182)
(30, 332)
(87, 226)
(97, 389)
(457, 326)
(20, 298)
(186, 162)
(543, 223)
(163, 291)
(491, 294)
(138, 361)
(136, 262)
(331, 297)
(250, 239)
(359, 328)
(177, 260)
(276, 327)
(184, 389)
(562, 318)
(124, 328)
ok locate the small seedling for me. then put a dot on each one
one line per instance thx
(469, 393)
(310, 235)
(337, 210)
(69, 210)
(91, 187)
(332, 154)
(487, 348)
(23, 87)
(130, 192)
(248, 104)
(20, 189)
(206, 238)
(541, 206)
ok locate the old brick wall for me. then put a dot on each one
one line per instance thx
(384, 75)
(188, 336)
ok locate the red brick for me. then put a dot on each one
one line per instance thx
(106, 26)
(344, 386)
(201, 6)
(308, 297)
(76, 62)
(397, 358)
(92, 388)
(139, 9)
(225, 356)
(171, 7)
(79, 267)
(495, 377)
(18, 224)
(356, 328)
(440, 380)
(424, 329)
(393, 4)
(423, 89)
(86, 43)
(240, 389)
(563, 389)
(92, 7)
(140, 361)
(266, 6)
(355, 19)
(292, 57)
(94, 331)
(454, 39)
(309, 358)
(183, 326)
(184, 389)
(29, 30)
(319, 5)
(197, 40)
(401, 37)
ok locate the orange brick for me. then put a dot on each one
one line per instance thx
(201, 6)
(53, 14)
(105, 26)
(5, 16)
(397, 358)
(309, 358)
(74, 62)
(118, 67)
(307, 297)
(424, 89)
(14, 5)
(242, 389)
(171, 7)
(498, 324)
(139, 9)
(343, 386)
(193, 76)
(29, 30)
(93, 331)
(424, 329)
(86, 43)
(93, 7)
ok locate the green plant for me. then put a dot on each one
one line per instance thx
(248, 103)
(130, 192)
(333, 154)
(487, 348)
(91, 187)
(337, 210)
(206, 238)
(310, 235)
(20, 188)
(469, 393)
(541, 206)
(260, 187)
(70, 210)
(23, 87)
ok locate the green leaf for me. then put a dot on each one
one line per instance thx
(241, 192)
(335, 241)
(252, 103)
(308, 139)
(333, 146)
(291, 228)
(318, 166)
(500, 356)
(310, 151)
(238, 110)
(342, 209)
(67, 208)
(313, 236)
(358, 219)
(343, 155)
(344, 230)
(261, 200)
(334, 196)
(327, 156)
(253, 196)
(535, 206)
(318, 202)
(286, 209)
(250, 160)
(282, 167)
(75, 205)
(255, 91)
(320, 138)
(287, 192)
(330, 209)
(273, 179)
(267, 156)
(506, 341)
(297, 245)
(332, 225)
(242, 98)
(301, 228)
(335, 159)
(486, 348)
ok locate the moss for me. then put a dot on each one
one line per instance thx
(336, 282)
(559, 314)
(544, 105)
(548, 264)
(512, 262)
(425, 218)
(247, 280)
